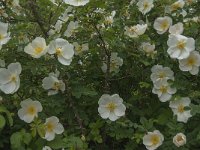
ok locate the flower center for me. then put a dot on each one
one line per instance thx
(31, 110)
(191, 61)
(164, 25)
(163, 89)
(38, 50)
(50, 127)
(175, 6)
(155, 139)
(145, 5)
(181, 45)
(58, 51)
(13, 78)
(162, 75)
(179, 138)
(56, 86)
(1, 37)
(111, 106)
(181, 108)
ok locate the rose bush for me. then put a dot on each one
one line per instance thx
(94, 74)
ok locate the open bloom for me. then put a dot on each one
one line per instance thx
(180, 46)
(161, 74)
(52, 84)
(63, 49)
(29, 110)
(135, 31)
(36, 48)
(4, 35)
(52, 127)
(179, 139)
(191, 63)
(76, 2)
(115, 63)
(78, 49)
(149, 49)
(145, 6)
(162, 24)
(9, 78)
(152, 140)
(164, 91)
(178, 108)
(176, 29)
(71, 28)
(178, 4)
(111, 106)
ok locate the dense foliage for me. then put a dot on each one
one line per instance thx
(115, 58)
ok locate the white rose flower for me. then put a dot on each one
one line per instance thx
(111, 106)
(178, 108)
(152, 140)
(145, 6)
(176, 5)
(191, 63)
(36, 48)
(179, 139)
(164, 91)
(176, 29)
(110, 19)
(76, 2)
(52, 84)
(4, 35)
(135, 31)
(161, 74)
(78, 49)
(52, 127)
(29, 110)
(9, 78)
(115, 63)
(149, 49)
(71, 28)
(180, 46)
(46, 148)
(63, 49)
(162, 24)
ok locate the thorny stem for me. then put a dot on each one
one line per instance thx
(33, 7)
(71, 104)
(108, 59)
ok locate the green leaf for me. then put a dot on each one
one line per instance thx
(2, 121)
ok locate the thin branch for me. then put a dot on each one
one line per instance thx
(71, 104)
(108, 59)
(33, 7)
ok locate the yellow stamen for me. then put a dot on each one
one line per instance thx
(50, 127)
(146, 5)
(181, 108)
(13, 78)
(164, 24)
(111, 106)
(181, 44)
(31, 110)
(191, 61)
(155, 139)
(56, 86)
(38, 50)
(163, 89)
(162, 75)
(1, 37)
(58, 51)
(179, 138)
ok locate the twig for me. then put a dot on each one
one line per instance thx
(71, 104)
(33, 7)
(108, 59)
